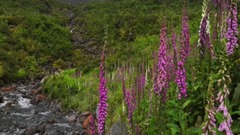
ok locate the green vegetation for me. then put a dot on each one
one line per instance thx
(36, 39)
(74, 91)
(31, 38)
(131, 25)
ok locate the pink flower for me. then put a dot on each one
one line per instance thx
(130, 101)
(224, 127)
(226, 124)
(185, 37)
(232, 32)
(174, 44)
(162, 79)
(102, 106)
(204, 38)
(181, 80)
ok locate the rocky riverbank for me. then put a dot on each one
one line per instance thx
(24, 110)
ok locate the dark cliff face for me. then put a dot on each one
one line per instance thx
(74, 2)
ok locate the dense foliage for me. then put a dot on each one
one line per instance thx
(170, 67)
(32, 38)
(179, 89)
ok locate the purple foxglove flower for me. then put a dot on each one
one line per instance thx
(171, 69)
(226, 124)
(174, 44)
(216, 2)
(212, 121)
(130, 101)
(205, 43)
(162, 79)
(130, 105)
(220, 97)
(92, 124)
(102, 106)
(232, 30)
(143, 80)
(221, 107)
(229, 120)
(223, 126)
(220, 16)
(181, 80)
(210, 125)
(185, 37)
(142, 83)
(123, 87)
(225, 111)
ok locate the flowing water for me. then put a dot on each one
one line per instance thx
(19, 115)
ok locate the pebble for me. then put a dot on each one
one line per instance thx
(72, 118)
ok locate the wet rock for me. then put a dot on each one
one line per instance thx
(54, 132)
(15, 123)
(39, 98)
(41, 128)
(51, 121)
(37, 85)
(57, 108)
(87, 121)
(9, 104)
(14, 101)
(30, 131)
(21, 132)
(48, 126)
(22, 126)
(85, 113)
(77, 133)
(34, 111)
(44, 79)
(37, 91)
(119, 128)
(8, 88)
(6, 111)
(1, 99)
(72, 118)
(12, 128)
(34, 119)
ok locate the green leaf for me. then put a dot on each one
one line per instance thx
(186, 103)
(172, 102)
(195, 131)
(172, 113)
(236, 95)
(174, 128)
(236, 112)
(219, 117)
(219, 133)
(195, 87)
